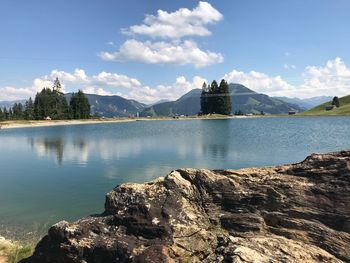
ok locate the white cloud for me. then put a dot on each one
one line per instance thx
(171, 26)
(12, 93)
(333, 79)
(167, 92)
(183, 53)
(178, 24)
(98, 91)
(258, 81)
(104, 83)
(112, 79)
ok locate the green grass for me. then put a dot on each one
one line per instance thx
(343, 110)
(21, 251)
(16, 251)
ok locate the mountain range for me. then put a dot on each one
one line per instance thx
(242, 98)
(306, 103)
(112, 106)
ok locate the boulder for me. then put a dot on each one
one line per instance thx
(290, 213)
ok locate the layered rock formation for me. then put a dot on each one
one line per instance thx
(291, 213)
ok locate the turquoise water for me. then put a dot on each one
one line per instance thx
(63, 172)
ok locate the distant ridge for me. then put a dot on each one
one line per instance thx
(9, 104)
(243, 99)
(112, 106)
(306, 103)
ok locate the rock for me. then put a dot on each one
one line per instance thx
(292, 213)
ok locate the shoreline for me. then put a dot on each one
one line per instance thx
(43, 123)
(16, 124)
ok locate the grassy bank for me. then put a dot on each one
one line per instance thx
(13, 252)
(343, 110)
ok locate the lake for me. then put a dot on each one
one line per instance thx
(54, 173)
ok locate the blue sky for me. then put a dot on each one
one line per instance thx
(292, 48)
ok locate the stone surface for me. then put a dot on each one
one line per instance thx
(292, 213)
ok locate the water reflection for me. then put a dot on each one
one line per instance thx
(216, 139)
(211, 141)
(80, 149)
(61, 148)
(49, 146)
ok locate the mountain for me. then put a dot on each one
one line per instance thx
(344, 108)
(112, 106)
(188, 104)
(242, 98)
(158, 102)
(306, 103)
(249, 101)
(9, 104)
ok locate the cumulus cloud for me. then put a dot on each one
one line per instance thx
(172, 28)
(104, 83)
(113, 79)
(258, 81)
(333, 79)
(167, 92)
(186, 52)
(178, 24)
(12, 93)
(98, 91)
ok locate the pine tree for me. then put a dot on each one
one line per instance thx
(336, 102)
(214, 97)
(205, 99)
(2, 116)
(6, 114)
(80, 106)
(29, 109)
(50, 103)
(223, 100)
(57, 86)
(10, 114)
(17, 111)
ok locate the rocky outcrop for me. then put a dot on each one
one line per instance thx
(291, 213)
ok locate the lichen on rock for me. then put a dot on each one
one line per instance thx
(291, 213)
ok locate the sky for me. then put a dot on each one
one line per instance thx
(161, 49)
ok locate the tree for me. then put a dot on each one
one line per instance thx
(80, 106)
(336, 102)
(6, 114)
(205, 109)
(10, 114)
(213, 97)
(2, 116)
(57, 86)
(29, 109)
(216, 99)
(223, 100)
(17, 111)
(50, 103)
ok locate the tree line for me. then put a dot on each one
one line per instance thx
(216, 98)
(49, 103)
